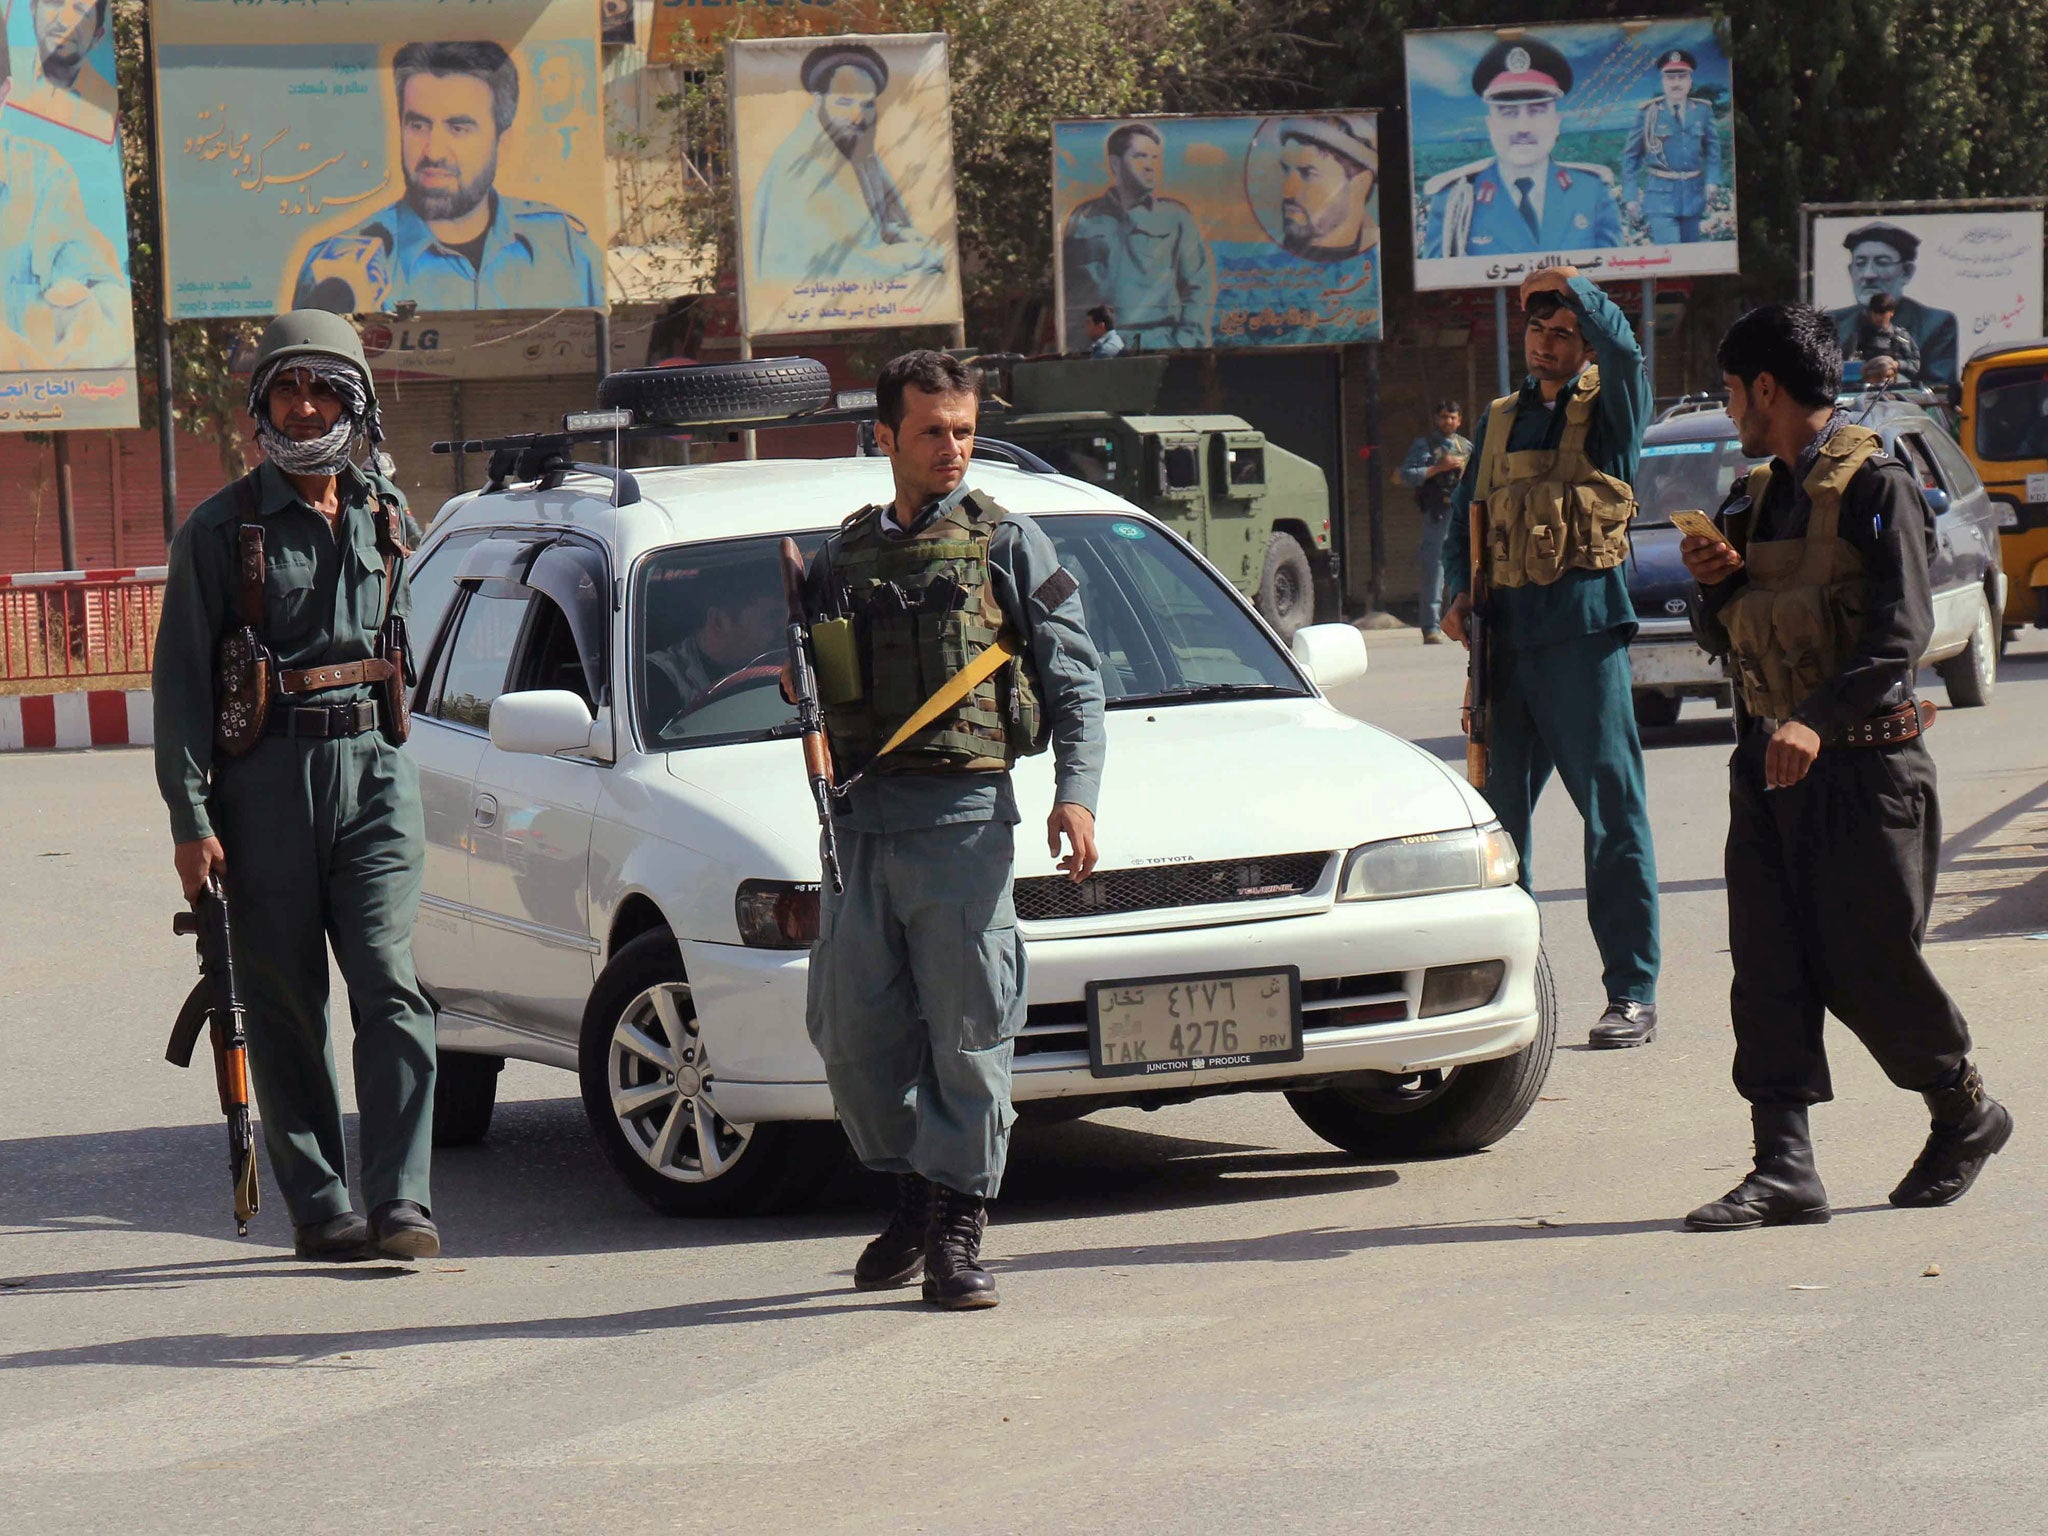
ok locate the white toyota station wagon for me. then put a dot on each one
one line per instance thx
(622, 866)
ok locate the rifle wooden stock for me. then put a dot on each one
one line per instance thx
(810, 715)
(217, 1004)
(1478, 655)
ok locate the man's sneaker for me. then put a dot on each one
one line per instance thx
(1624, 1024)
(337, 1240)
(402, 1229)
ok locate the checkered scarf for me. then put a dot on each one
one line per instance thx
(326, 455)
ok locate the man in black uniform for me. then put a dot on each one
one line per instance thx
(1819, 591)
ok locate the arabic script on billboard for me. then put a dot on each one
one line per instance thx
(358, 155)
(1610, 145)
(1191, 232)
(67, 332)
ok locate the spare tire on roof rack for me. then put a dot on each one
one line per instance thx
(719, 394)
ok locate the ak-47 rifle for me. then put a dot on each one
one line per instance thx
(215, 1002)
(810, 715)
(1479, 656)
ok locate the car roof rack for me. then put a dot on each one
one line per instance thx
(1692, 405)
(544, 460)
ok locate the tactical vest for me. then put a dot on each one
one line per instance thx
(1550, 510)
(1800, 615)
(908, 615)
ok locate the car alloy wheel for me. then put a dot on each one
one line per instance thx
(660, 1080)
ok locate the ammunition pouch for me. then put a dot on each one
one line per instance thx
(1799, 615)
(1550, 510)
(243, 669)
(912, 614)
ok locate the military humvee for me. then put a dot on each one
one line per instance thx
(1260, 513)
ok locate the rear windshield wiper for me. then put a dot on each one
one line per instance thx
(1201, 692)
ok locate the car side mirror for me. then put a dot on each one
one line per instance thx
(1333, 655)
(542, 722)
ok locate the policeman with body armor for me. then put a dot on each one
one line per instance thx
(1819, 591)
(280, 708)
(917, 979)
(1554, 474)
(1672, 161)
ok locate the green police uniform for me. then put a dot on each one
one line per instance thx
(1562, 622)
(323, 835)
(917, 981)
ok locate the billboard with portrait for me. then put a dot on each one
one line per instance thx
(362, 156)
(843, 172)
(1610, 145)
(1229, 231)
(67, 329)
(1961, 280)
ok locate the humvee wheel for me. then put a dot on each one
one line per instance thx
(1287, 589)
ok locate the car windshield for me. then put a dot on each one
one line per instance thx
(708, 639)
(2012, 414)
(1695, 476)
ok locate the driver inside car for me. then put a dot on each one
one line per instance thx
(740, 612)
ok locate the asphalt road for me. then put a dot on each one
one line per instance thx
(1211, 1321)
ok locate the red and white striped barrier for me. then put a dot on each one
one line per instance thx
(73, 578)
(99, 718)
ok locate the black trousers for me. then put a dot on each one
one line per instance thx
(1829, 882)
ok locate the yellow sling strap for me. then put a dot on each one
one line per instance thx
(957, 687)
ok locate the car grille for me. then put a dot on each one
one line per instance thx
(1336, 1002)
(1044, 898)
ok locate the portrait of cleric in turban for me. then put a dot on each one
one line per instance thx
(827, 205)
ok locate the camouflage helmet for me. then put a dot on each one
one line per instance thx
(305, 331)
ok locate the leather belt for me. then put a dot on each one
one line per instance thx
(1913, 718)
(322, 720)
(1671, 175)
(345, 674)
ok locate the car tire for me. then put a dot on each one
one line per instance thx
(765, 389)
(640, 1038)
(465, 1096)
(1972, 673)
(1655, 710)
(1287, 587)
(1381, 1116)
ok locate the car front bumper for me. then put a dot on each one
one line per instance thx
(1369, 957)
(1663, 656)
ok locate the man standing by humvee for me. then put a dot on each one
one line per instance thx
(297, 795)
(1819, 591)
(917, 981)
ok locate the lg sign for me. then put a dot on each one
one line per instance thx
(379, 339)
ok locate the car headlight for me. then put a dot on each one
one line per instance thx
(1470, 858)
(777, 914)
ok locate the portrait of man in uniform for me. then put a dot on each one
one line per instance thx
(66, 89)
(64, 300)
(1329, 168)
(1671, 166)
(827, 207)
(1520, 200)
(1882, 259)
(454, 241)
(1139, 253)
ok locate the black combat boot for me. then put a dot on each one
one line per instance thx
(1624, 1024)
(1782, 1190)
(1969, 1125)
(897, 1256)
(337, 1240)
(402, 1229)
(953, 1276)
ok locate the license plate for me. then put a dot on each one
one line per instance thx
(2037, 488)
(1161, 1024)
